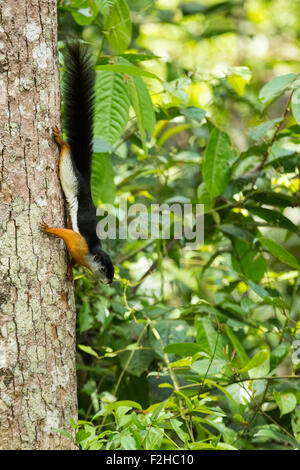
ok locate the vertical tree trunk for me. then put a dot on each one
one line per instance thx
(37, 313)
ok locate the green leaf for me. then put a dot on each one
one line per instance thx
(176, 88)
(111, 107)
(276, 87)
(88, 350)
(182, 349)
(279, 353)
(82, 435)
(286, 402)
(279, 252)
(101, 146)
(247, 261)
(208, 338)
(273, 432)
(274, 217)
(123, 403)
(102, 179)
(176, 425)
(85, 16)
(296, 104)
(128, 69)
(154, 438)
(128, 442)
(216, 167)
(259, 290)
(208, 367)
(138, 57)
(103, 6)
(256, 361)
(85, 317)
(118, 26)
(142, 104)
(192, 112)
(154, 416)
(296, 424)
(204, 198)
(238, 78)
(263, 130)
(237, 232)
(280, 199)
(242, 355)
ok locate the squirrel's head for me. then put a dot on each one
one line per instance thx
(101, 265)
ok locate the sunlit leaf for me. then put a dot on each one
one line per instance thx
(216, 167)
(286, 402)
(276, 87)
(279, 252)
(118, 26)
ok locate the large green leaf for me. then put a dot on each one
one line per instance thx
(276, 87)
(247, 261)
(85, 16)
(216, 168)
(118, 26)
(280, 252)
(208, 338)
(102, 179)
(192, 112)
(296, 424)
(276, 199)
(183, 349)
(286, 402)
(104, 6)
(256, 361)
(262, 131)
(112, 106)
(208, 367)
(129, 69)
(143, 108)
(274, 217)
(242, 355)
(296, 104)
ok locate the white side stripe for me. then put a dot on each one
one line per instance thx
(70, 187)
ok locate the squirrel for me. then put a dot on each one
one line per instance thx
(75, 159)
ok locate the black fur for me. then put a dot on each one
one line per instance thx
(79, 81)
(78, 92)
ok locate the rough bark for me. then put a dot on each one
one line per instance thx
(37, 313)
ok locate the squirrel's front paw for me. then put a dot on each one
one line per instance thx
(57, 135)
(44, 227)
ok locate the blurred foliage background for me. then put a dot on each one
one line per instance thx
(194, 349)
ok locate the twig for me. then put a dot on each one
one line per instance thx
(153, 266)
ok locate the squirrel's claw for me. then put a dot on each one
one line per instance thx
(57, 136)
(44, 227)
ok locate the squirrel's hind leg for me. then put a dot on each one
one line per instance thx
(58, 137)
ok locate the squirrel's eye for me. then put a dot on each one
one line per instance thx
(96, 258)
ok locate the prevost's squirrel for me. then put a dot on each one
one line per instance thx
(75, 165)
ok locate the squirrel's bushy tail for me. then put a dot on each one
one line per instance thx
(78, 93)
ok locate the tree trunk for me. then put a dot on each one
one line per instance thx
(37, 312)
